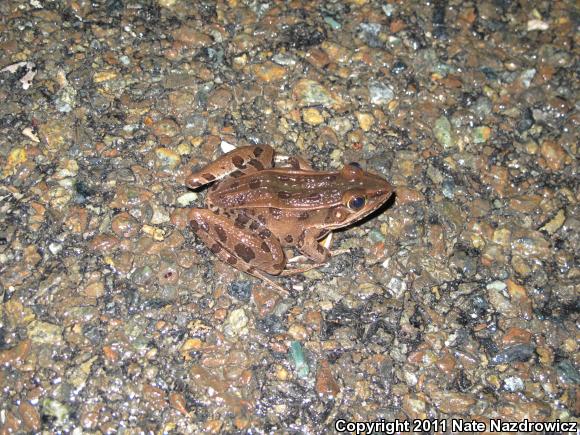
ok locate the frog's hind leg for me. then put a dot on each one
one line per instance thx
(238, 162)
(244, 244)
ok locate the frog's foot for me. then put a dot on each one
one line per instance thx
(303, 259)
(298, 270)
(281, 290)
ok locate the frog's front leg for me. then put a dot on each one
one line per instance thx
(309, 246)
(238, 162)
(311, 249)
(245, 243)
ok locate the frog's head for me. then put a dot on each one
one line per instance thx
(366, 193)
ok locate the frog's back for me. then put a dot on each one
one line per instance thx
(279, 188)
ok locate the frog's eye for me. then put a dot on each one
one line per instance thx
(356, 202)
(355, 164)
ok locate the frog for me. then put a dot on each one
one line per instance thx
(254, 209)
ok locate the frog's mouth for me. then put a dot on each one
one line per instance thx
(375, 201)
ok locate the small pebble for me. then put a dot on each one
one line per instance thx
(443, 133)
(312, 116)
(236, 323)
(269, 72)
(380, 93)
(299, 359)
(186, 199)
(311, 93)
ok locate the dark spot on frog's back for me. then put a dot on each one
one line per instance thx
(289, 238)
(265, 247)
(244, 252)
(215, 248)
(242, 220)
(208, 176)
(221, 233)
(284, 195)
(303, 216)
(254, 184)
(238, 162)
(254, 225)
(232, 260)
(256, 164)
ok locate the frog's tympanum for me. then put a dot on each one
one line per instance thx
(255, 210)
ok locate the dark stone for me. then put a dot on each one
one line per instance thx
(241, 290)
(303, 35)
(398, 67)
(518, 352)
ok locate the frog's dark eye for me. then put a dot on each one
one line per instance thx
(355, 164)
(356, 202)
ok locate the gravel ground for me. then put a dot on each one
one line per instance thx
(459, 301)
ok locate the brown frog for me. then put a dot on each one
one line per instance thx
(255, 210)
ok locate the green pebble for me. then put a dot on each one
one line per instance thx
(376, 236)
(54, 408)
(299, 359)
(480, 134)
(335, 25)
(443, 133)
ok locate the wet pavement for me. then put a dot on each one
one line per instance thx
(458, 301)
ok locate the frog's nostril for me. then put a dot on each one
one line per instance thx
(381, 192)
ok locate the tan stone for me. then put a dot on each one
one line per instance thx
(365, 120)
(312, 116)
(554, 155)
(268, 71)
